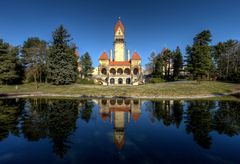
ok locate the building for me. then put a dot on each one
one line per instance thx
(119, 112)
(119, 68)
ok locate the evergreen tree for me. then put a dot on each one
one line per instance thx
(86, 65)
(61, 60)
(158, 67)
(9, 64)
(199, 55)
(177, 63)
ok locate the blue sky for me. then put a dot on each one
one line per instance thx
(150, 25)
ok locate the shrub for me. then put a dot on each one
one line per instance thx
(156, 80)
(84, 81)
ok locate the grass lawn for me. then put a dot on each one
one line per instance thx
(174, 89)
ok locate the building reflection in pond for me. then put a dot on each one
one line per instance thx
(56, 120)
(119, 111)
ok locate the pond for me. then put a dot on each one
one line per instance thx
(119, 131)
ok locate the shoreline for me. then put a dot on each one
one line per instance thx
(40, 95)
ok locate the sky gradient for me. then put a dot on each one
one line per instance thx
(150, 25)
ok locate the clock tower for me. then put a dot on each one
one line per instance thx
(119, 41)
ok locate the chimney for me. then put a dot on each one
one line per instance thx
(111, 55)
(128, 55)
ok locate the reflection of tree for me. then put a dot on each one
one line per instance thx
(170, 112)
(35, 120)
(177, 112)
(86, 110)
(55, 119)
(10, 110)
(227, 118)
(62, 121)
(198, 122)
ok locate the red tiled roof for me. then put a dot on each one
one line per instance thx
(120, 63)
(103, 56)
(136, 56)
(119, 24)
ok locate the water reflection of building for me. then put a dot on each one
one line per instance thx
(119, 111)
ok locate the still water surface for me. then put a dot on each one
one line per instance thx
(119, 131)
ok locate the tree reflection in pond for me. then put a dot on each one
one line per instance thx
(198, 122)
(10, 110)
(86, 109)
(54, 119)
(167, 111)
(227, 118)
(122, 122)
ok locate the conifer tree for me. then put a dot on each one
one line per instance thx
(199, 55)
(158, 66)
(9, 64)
(86, 65)
(177, 63)
(61, 60)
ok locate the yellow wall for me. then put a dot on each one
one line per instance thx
(136, 62)
(104, 62)
(119, 48)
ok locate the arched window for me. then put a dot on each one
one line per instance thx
(104, 102)
(135, 102)
(120, 81)
(128, 80)
(112, 102)
(112, 81)
(127, 101)
(120, 101)
(119, 71)
(135, 71)
(113, 71)
(104, 71)
(127, 71)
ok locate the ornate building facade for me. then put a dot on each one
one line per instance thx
(119, 68)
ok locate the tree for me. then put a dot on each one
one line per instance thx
(226, 57)
(86, 65)
(199, 55)
(9, 63)
(150, 67)
(61, 60)
(177, 63)
(34, 52)
(167, 57)
(158, 66)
